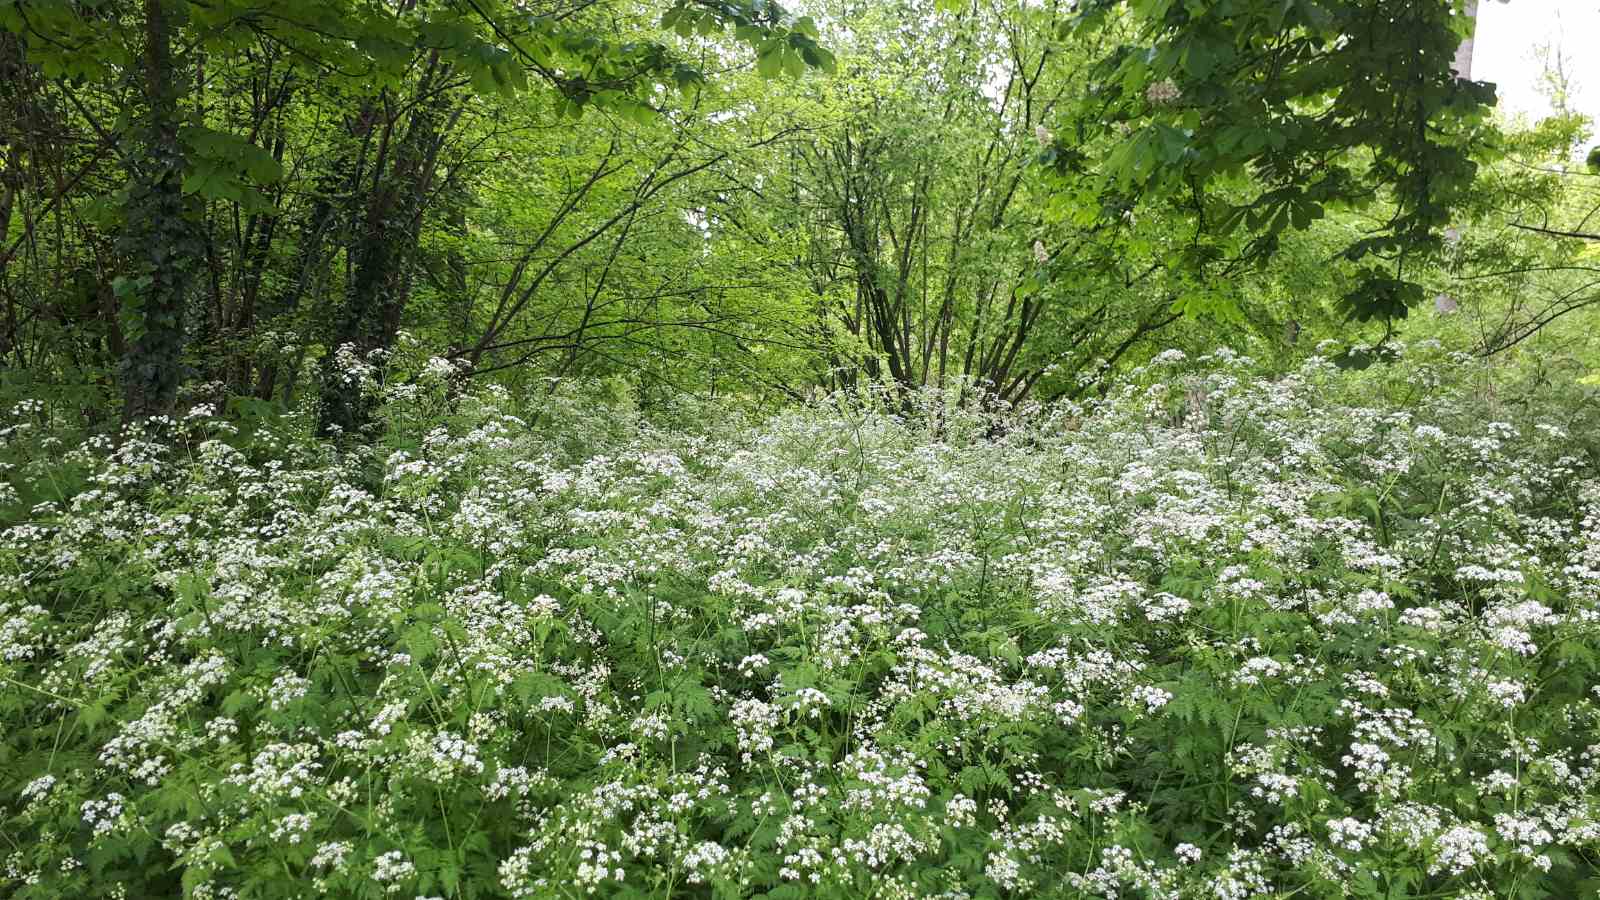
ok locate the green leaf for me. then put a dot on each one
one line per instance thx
(793, 65)
(769, 62)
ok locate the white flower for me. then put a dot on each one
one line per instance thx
(392, 868)
(1349, 834)
(331, 855)
(1256, 670)
(1506, 693)
(38, 787)
(1458, 850)
(1152, 697)
(1163, 92)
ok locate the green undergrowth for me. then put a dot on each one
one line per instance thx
(1319, 635)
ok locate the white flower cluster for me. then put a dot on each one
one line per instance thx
(1208, 636)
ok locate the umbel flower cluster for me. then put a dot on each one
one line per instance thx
(1319, 635)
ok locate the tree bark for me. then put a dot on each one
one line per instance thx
(1463, 64)
(383, 253)
(160, 238)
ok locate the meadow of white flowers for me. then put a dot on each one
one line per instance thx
(1216, 636)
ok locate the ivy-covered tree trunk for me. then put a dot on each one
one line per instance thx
(160, 239)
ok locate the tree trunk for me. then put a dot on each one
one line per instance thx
(160, 238)
(1463, 64)
(370, 317)
(12, 72)
(320, 233)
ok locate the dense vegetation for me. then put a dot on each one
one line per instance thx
(207, 202)
(1215, 636)
(703, 448)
